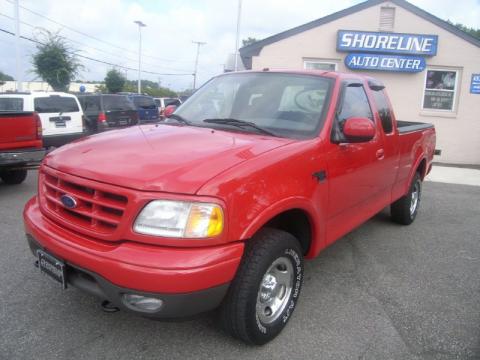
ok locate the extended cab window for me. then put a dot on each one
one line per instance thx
(55, 104)
(383, 110)
(11, 104)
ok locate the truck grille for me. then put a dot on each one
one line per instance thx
(97, 210)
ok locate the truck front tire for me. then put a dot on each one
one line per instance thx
(265, 291)
(13, 177)
(405, 209)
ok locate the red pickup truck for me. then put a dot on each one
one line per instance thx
(20, 145)
(219, 205)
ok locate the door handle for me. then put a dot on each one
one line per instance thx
(380, 154)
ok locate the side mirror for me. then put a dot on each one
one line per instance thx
(169, 110)
(357, 129)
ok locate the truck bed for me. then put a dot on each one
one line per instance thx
(409, 126)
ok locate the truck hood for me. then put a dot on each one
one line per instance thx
(177, 159)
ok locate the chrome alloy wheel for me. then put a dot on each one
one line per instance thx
(275, 290)
(415, 198)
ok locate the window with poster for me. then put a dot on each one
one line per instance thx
(440, 90)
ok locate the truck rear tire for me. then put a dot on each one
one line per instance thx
(13, 177)
(265, 291)
(404, 210)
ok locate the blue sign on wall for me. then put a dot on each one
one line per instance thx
(397, 63)
(380, 42)
(475, 84)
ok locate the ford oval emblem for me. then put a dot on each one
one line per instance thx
(68, 201)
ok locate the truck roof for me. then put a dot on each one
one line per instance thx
(323, 73)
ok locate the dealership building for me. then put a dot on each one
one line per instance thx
(430, 68)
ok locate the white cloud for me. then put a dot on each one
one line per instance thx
(171, 26)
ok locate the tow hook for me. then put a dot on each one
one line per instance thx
(108, 307)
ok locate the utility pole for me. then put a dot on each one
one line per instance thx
(237, 39)
(18, 68)
(140, 25)
(199, 43)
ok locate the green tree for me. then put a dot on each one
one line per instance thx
(248, 41)
(55, 62)
(114, 81)
(469, 30)
(150, 88)
(4, 77)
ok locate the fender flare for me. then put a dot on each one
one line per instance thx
(291, 203)
(414, 169)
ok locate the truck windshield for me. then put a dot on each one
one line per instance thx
(117, 102)
(144, 102)
(287, 105)
(11, 104)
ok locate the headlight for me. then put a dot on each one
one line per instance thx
(180, 219)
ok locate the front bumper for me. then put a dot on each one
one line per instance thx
(195, 282)
(22, 157)
(173, 305)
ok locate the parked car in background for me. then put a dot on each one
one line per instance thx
(163, 102)
(220, 204)
(146, 107)
(108, 111)
(60, 113)
(20, 144)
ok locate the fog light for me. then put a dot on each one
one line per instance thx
(142, 303)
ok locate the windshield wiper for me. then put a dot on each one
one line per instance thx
(179, 119)
(240, 124)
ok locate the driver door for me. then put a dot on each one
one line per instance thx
(354, 169)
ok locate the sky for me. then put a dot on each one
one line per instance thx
(105, 30)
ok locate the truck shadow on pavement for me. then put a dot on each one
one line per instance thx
(382, 291)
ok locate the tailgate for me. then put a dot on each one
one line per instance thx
(18, 129)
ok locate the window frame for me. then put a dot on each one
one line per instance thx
(320, 61)
(455, 90)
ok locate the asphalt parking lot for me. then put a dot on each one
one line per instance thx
(382, 292)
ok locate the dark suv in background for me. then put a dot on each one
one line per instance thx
(105, 111)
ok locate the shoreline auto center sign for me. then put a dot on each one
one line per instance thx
(373, 50)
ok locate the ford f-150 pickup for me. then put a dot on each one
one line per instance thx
(20, 145)
(218, 206)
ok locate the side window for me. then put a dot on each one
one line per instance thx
(383, 111)
(355, 104)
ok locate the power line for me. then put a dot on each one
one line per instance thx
(96, 49)
(93, 37)
(96, 60)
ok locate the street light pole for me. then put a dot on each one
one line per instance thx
(237, 39)
(140, 25)
(18, 69)
(199, 43)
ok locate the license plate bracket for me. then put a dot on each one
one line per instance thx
(52, 267)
